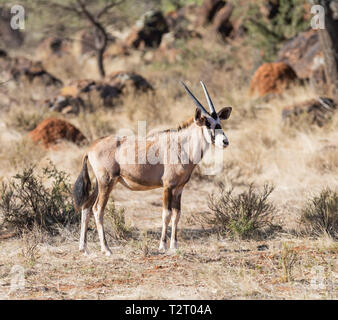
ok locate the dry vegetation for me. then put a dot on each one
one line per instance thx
(298, 160)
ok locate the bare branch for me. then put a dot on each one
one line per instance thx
(107, 8)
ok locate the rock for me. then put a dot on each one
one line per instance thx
(24, 70)
(272, 78)
(84, 94)
(129, 82)
(221, 22)
(148, 31)
(50, 131)
(57, 57)
(303, 53)
(9, 37)
(53, 47)
(317, 110)
(208, 10)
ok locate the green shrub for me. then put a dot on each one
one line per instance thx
(244, 215)
(320, 214)
(268, 34)
(26, 202)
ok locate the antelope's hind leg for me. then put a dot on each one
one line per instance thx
(166, 217)
(87, 211)
(85, 216)
(98, 210)
(176, 209)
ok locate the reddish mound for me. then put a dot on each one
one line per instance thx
(50, 131)
(272, 78)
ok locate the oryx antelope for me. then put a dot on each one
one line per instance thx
(109, 157)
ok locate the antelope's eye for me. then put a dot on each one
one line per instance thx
(207, 124)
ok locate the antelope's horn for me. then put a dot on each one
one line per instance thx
(210, 104)
(197, 103)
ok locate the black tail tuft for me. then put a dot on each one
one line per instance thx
(82, 186)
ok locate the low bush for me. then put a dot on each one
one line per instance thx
(26, 202)
(320, 214)
(244, 215)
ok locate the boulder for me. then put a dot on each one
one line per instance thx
(272, 78)
(84, 94)
(148, 31)
(50, 131)
(221, 22)
(53, 47)
(304, 55)
(316, 110)
(24, 70)
(208, 10)
(129, 82)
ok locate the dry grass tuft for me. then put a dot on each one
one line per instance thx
(117, 227)
(288, 259)
(320, 214)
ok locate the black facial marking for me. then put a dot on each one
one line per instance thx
(207, 124)
(218, 126)
(214, 115)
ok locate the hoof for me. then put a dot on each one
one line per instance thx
(163, 247)
(173, 245)
(106, 252)
(84, 250)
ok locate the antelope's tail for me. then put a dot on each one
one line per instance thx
(82, 186)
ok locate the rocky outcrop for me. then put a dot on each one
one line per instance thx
(148, 31)
(24, 70)
(208, 10)
(304, 55)
(317, 111)
(86, 94)
(221, 22)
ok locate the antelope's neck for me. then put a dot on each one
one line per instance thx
(198, 143)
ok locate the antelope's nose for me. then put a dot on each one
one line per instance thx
(225, 142)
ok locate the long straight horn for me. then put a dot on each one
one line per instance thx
(197, 103)
(210, 104)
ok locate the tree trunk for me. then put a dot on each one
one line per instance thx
(328, 38)
(101, 41)
(100, 62)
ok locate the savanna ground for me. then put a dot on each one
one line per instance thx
(299, 160)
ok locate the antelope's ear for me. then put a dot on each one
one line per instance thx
(198, 118)
(224, 113)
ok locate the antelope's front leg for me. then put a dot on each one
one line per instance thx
(166, 216)
(176, 208)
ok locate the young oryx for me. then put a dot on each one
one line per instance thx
(131, 162)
